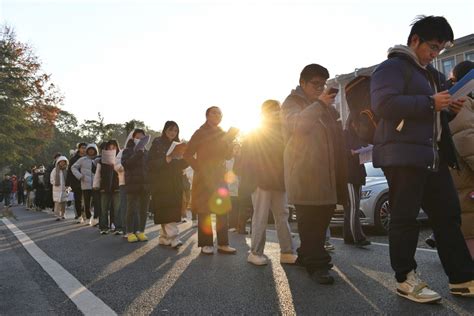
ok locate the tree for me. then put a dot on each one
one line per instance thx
(29, 102)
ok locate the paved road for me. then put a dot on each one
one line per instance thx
(144, 278)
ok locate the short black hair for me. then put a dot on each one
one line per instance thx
(430, 28)
(210, 108)
(462, 69)
(138, 131)
(80, 145)
(313, 70)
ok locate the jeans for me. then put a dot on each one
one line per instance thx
(313, 222)
(263, 201)
(411, 188)
(121, 211)
(109, 201)
(94, 197)
(137, 204)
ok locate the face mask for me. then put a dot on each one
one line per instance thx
(136, 141)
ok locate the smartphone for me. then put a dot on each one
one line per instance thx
(333, 91)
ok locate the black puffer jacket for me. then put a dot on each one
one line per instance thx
(134, 163)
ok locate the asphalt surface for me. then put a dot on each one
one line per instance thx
(145, 278)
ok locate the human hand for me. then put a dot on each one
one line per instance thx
(326, 98)
(456, 106)
(441, 100)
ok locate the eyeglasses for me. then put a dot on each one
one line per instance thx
(435, 48)
(318, 85)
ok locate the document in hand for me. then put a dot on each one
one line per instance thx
(108, 157)
(365, 154)
(463, 87)
(176, 149)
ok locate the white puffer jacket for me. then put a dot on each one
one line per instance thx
(83, 169)
(59, 192)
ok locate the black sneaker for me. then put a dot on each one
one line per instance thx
(322, 277)
(431, 242)
(362, 243)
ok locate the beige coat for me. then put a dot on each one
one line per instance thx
(462, 129)
(315, 166)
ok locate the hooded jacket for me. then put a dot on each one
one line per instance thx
(410, 132)
(84, 169)
(58, 181)
(134, 164)
(314, 156)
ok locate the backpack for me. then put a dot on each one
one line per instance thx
(29, 182)
(360, 107)
(358, 100)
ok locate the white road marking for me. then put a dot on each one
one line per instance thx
(85, 300)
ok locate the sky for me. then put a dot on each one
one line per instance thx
(169, 60)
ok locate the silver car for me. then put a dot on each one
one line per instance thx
(374, 208)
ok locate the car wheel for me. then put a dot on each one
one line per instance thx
(382, 215)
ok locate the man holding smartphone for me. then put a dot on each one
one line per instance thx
(413, 146)
(313, 179)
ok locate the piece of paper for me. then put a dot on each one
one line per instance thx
(108, 157)
(463, 87)
(176, 149)
(365, 154)
(142, 143)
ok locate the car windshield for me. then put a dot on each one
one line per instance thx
(373, 172)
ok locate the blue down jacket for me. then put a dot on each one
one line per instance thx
(401, 90)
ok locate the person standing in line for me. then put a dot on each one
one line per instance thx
(106, 181)
(134, 160)
(39, 188)
(84, 171)
(233, 183)
(48, 193)
(7, 187)
(270, 194)
(21, 191)
(120, 216)
(29, 188)
(462, 128)
(414, 148)
(14, 194)
(166, 184)
(74, 183)
(315, 166)
(206, 152)
(59, 189)
(353, 233)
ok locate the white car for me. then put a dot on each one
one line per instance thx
(374, 207)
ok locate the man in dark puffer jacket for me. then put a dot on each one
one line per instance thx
(413, 146)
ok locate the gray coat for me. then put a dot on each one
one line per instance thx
(84, 170)
(314, 170)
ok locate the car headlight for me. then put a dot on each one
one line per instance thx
(365, 194)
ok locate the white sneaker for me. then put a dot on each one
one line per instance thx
(112, 226)
(176, 243)
(164, 241)
(207, 250)
(416, 290)
(257, 260)
(288, 258)
(82, 221)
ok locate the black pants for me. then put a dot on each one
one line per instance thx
(410, 189)
(78, 201)
(245, 212)
(91, 197)
(205, 233)
(313, 222)
(234, 212)
(352, 228)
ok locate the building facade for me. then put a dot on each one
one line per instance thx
(463, 49)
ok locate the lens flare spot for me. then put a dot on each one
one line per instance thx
(207, 225)
(223, 192)
(220, 203)
(230, 177)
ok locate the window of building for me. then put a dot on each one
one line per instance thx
(470, 56)
(448, 65)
